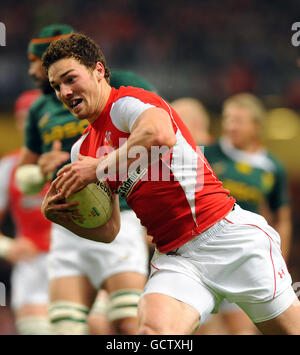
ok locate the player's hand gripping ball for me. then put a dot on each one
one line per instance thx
(95, 205)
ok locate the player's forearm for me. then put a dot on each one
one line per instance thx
(103, 234)
(28, 157)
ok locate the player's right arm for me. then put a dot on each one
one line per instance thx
(11, 249)
(31, 150)
(57, 210)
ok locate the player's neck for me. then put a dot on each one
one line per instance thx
(251, 147)
(103, 97)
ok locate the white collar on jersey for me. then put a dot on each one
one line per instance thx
(258, 159)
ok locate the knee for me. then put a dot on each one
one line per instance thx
(98, 322)
(126, 326)
(99, 325)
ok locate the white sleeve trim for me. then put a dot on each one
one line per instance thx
(6, 166)
(125, 111)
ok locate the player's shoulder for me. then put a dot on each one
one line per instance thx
(38, 103)
(213, 149)
(43, 101)
(36, 108)
(129, 78)
(133, 93)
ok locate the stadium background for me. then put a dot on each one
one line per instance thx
(207, 49)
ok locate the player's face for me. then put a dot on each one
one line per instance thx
(38, 72)
(77, 87)
(239, 126)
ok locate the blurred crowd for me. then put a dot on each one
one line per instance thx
(206, 49)
(209, 49)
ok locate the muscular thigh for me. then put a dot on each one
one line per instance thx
(286, 323)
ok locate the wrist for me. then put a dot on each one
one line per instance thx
(5, 245)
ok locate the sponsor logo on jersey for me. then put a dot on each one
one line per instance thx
(267, 180)
(44, 120)
(126, 187)
(108, 140)
(68, 130)
(243, 168)
(103, 187)
(244, 192)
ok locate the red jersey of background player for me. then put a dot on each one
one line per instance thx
(26, 209)
(173, 211)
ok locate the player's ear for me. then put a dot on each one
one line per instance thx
(100, 71)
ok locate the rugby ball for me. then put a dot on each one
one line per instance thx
(29, 179)
(95, 205)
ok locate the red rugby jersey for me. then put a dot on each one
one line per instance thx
(185, 199)
(26, 209)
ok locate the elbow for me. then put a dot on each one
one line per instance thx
(171, 140)
(111, 234)
(115, 232)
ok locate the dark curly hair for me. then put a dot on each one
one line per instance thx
(79, 47)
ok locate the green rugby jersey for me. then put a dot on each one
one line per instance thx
(50, 120)
(253, 179)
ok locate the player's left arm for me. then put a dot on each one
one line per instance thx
(152, 128)
(56, 209)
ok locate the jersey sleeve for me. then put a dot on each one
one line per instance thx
(125, 111)
(279, 196)
(6, 167)
(33, 139)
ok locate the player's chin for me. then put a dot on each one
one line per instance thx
(80, 115)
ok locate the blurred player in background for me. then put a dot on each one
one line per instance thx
(230, 319)
(252, 174)
(77, 267)
(254, 177)
(209, 248)
(28, 250)
(194, 114)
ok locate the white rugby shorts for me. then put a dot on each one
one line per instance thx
(237, 259)
(29, 282)
(71, 255)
